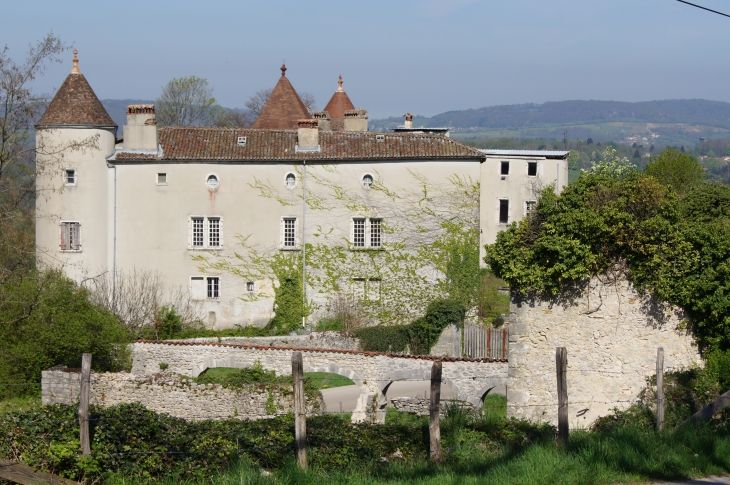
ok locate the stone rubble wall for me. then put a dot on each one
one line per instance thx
(174, 395)
(421, 406)
(611, 334)
(315, 340)
(469, 379)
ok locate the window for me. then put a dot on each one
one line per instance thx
(205, 287)
(367, 233)
(367, 181)
(70, 236)
(376, 235)
(504, 169)
(503, 211)
(214, 286)
(289, 239)
(206, 232)
(366, 289)
(161, 179)
(532, 169)
(69, 177)
(291, 180)
(214, 232)
(250, 286)
(530, 206)
(358, 233)
(212, 182)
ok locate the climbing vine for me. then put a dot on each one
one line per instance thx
(429, 245)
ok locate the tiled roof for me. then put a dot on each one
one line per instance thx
(315, 350)
(283, 108)
(339, 103)
(212, 143)
(76, 104)
(527, 153)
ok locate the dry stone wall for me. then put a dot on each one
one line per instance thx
(611, 334)
(469, 379)
(172, 394)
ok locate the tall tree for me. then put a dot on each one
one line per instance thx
(679, 170)
(20, 107)
(188, 101)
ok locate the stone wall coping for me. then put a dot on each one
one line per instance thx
(317, 350)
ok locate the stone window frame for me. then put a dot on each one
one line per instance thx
(68, 229)
(205, 232)
(288, 231)
(368, 238)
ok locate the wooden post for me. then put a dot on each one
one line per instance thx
(300, 411)
(434, 426)
(561, 363)
(660, 388)
(84, 404)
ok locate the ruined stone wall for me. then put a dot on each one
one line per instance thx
(172, 394)
(611, 334)
(469, 379)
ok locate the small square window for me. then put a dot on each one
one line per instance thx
(503, 211)
(161, 179)
(504, 168)
(250, 286)
(532, 169)
(69, 177)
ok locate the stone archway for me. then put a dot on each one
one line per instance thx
(478, 399)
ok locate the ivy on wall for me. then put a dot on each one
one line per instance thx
(429, 250)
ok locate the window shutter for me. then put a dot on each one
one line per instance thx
(62, 228)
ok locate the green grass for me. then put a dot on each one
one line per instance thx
(327, 380)
(628, 455)
(23, 403)
(232, 377)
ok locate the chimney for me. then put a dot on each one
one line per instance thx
(308, 135)
(409, 121)
(356, 120)
(140, 132)
(324, 120)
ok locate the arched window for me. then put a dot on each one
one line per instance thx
(291, 180)
(367, 181)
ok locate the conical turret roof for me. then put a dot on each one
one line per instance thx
(338, 104)
(76, 104)
(283, 108)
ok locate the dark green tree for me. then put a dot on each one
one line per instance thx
(679, 170)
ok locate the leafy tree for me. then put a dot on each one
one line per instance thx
(637, 154)
(678, 170)
(288, 295)
(589, 141)
(51, 321)
(187, 101)
(676, 249)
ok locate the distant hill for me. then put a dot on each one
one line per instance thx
(693, 111)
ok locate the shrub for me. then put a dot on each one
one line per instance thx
(420, 336)
(51, 323)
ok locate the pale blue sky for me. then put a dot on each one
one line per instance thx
(395, 56)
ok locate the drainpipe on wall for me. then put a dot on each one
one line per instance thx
(304, 243)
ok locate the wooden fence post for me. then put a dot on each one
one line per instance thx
(84, 404)
(561, 363)
(434, 426)
(300, 411)
(660, 388)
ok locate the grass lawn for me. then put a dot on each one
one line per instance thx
(327, 380)
(19, 404)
